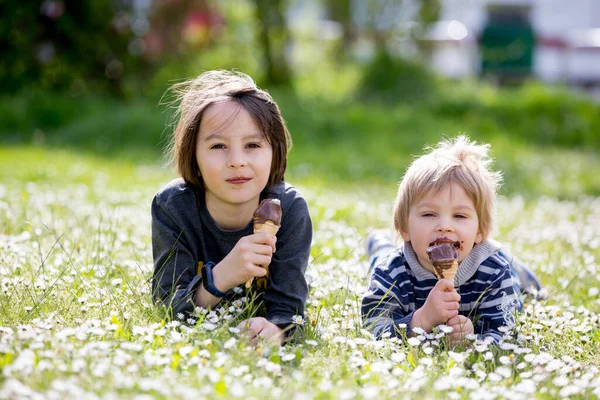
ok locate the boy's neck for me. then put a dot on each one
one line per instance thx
(427, 267)
(230, 216)
(467, 267)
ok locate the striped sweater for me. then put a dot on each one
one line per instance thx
(400, 285)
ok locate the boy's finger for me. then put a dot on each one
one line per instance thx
(258, 271)
(244, 325)
(254, 327)
(455, 296)
(268, 246)
(274, 240)
(270, 241)
(264, 238)
(260, 260)
(457, 338)
(451, 296)
(271, 335)
(264, 249)
(445, 285)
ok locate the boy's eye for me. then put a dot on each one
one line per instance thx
(254, 145)
(460, 216)
(428, 214)
(217, 146)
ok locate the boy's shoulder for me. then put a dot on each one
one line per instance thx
(282, 189)
(173, 192)
(288, 194)
(393, 264)
(493, 267)
(498, 260)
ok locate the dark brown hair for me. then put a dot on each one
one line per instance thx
(195, 96)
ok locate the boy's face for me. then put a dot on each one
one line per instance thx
(234, 157)
(448, 214)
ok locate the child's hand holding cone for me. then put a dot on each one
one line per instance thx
(267, 218)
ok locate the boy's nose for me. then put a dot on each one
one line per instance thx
(444, 227)
(236, 159)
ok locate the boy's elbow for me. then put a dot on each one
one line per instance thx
(160, 295)
(379, 327)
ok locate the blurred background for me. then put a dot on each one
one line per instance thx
(363, 84)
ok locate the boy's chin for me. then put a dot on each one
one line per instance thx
(425, 263)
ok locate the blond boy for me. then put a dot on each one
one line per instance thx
(446, 195)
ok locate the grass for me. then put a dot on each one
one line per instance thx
(545, 145)
(76, 319)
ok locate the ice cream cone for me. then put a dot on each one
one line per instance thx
(267, 218)
(268, 227)
(446, 270)
(444, 258)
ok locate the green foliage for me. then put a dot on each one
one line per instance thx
(395, 79)
(548, 116)
(544, 139)
(430, 10)
(67, 45)
(98, 124)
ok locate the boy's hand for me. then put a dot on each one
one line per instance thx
(254, 328)
(462, 327)
(246, 260)
(440, 306)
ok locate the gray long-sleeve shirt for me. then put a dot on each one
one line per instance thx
(184, 233)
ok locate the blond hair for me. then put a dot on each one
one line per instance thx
(456, 160)
(195, 96)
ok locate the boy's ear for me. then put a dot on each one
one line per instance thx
(478, 238)
(405, 236)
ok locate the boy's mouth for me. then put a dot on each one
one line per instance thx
(441, 240)
(238, 180)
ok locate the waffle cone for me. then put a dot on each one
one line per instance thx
(268, 227)
(446, 270)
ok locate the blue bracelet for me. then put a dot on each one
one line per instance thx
(207, 280)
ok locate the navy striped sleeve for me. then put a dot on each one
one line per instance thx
(386, 305)
(499, 299)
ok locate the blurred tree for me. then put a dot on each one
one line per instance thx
(429, 12)
(273, 37)
(73, 45)
(187, 37)
(388, 76)
(340, 11)
(386, 19)
(179, 27)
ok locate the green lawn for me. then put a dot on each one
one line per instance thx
(76, 319)
(545, 140)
